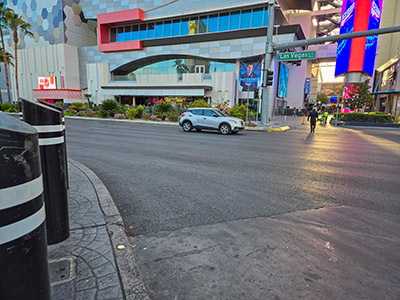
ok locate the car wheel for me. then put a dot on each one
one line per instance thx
(224, 128)
(187, 126)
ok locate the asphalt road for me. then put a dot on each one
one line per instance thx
(164, 179)
(254, 215)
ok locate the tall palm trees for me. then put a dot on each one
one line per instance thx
(16, 24)
(3, 24)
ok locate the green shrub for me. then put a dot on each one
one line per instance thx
(173, 117)
(131, 113)
(238, 111)
(78, 106)
(160, 108)
(198, 103)
(6, 107)
(109, 107)
(80, 114)
(69, 114)
(139, 111)
(146, 116)
(90, 113)
(376, 117)
(59, 104)
(96, 108)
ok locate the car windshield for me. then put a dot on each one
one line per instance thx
(220, 113)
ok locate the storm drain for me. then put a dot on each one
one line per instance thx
(61, 270)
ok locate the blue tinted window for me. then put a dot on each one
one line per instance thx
(159, 30)
(176, 28)
(142, 32)
(167, 28)
(203, 24)
(185, 27)
(120, 34)
(135, 33)
(245, 19)
(127, 33)
(265, 23)
(257, 18)
(150, 31)
(213, 23)
(234, 20)
(223, 22)
(113, 35)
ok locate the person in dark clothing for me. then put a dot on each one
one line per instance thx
(313, 115)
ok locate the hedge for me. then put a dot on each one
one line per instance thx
(376, 117)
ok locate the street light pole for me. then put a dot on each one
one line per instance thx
(269, 51)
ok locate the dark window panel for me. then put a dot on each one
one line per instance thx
(176, 28)
(142, 31)
(257, 17)
(167, 28)
(120, 34)
(185, 27)
(245, 19)
(213, 23)
(234, 19)
(113, 35)
(150, 31)
(203, 24)
(223, 22)
(159, 30)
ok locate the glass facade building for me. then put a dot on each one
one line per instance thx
(201, 24)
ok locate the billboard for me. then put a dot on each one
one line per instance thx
(358, 55)
(45, 83)
(250, 75)
(283, 80)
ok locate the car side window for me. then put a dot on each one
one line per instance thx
(197, 112)
(208, 113)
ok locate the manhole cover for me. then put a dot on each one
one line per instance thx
(61, 270)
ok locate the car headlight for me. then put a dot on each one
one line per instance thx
(233, 121)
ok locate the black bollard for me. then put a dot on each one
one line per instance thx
(48, 122)
(65, 141)
(23, 249)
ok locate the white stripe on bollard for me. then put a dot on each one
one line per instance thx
(51, 141)
(48, 128)
(18, 229)
(20, 194)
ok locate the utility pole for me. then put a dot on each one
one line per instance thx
(269, 52)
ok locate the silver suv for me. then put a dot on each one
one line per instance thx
(210, 118)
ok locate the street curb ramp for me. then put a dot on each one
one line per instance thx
(133, 286)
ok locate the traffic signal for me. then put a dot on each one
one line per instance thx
(270, 77)
(256, 95)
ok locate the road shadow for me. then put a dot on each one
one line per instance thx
(309, 138)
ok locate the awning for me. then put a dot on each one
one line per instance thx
(180, 90)
(57, 94)
(385, 92)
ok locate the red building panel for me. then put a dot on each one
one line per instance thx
(105, 21)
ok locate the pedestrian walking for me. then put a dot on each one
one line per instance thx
(294, 112)
(312, 117)
(325, 117)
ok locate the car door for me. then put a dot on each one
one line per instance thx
(197, 118)
(210, 119)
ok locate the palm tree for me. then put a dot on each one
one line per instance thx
(3, 22)
(15, 23)
(9, 59)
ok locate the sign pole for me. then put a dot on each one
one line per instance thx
(269, 51)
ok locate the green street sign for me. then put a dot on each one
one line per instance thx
(286, 56)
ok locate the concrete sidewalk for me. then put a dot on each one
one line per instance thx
(96, 261)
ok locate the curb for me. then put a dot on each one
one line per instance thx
(133, 286)
(268, 129)
(278, 129)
